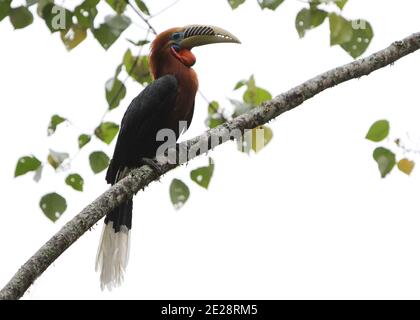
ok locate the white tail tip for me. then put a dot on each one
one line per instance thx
(112, 257)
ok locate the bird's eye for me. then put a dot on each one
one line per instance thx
(176, 47)
(176, 36)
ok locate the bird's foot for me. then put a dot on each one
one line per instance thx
(152, 163)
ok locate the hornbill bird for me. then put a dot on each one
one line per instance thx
(165, 102)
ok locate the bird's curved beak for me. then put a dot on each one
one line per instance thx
(199, 35)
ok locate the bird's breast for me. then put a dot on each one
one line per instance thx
(184, 105)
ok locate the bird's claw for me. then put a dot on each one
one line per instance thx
(153, 164)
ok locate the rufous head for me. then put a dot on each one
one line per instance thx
(178, 42)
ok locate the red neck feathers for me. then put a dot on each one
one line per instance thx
(165, 60)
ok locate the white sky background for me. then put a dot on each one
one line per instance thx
(308, 217)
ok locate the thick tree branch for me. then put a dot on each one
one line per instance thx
(141, 177)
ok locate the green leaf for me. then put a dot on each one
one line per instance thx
(251, 82)
(4, 8)
(202, 175)
(83, 140)
(75, 181)
(27, 164)
(57, 18)
(308, 19)
(31, 2)
(341, 30)
(98, 161)
(179, 193)
(105, 35)
(340, 3)
(118, 5)
(54, 122)
(118, 22)
(270, 4)
(53, 205)
(215, 120)
(86, 13)
(360, 40)
(115, 91)
(55, 159)
(378, 131)
(139, 43)
(385, 159)
(20, 17)
(137, 67)
(240, 84)
(213, 107)
(142, 6)
(118, 70)
(256, 96)
(107, 131)
(406, 166)
(41, 6)
(73, 36)
(109, 31)
(235, 3)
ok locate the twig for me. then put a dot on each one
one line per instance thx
(146, 21)
(163, 10)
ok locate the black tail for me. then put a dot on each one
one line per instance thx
(121, 216)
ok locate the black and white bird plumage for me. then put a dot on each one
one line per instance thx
(145, 116)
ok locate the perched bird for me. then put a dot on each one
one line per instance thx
(165, 102)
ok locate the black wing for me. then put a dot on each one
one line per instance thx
(144, 117)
